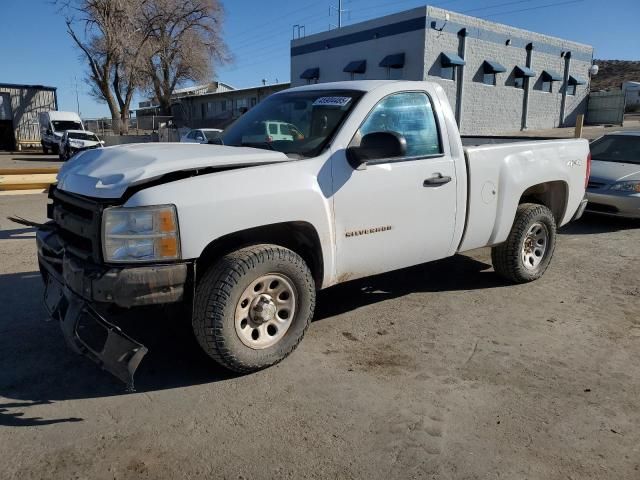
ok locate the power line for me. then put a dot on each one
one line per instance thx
(488, 7)
(536, 8)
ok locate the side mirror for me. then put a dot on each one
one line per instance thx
(377, 145)
(101, 142)
(48, 131)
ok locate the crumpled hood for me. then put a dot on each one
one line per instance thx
(108, 172)
(609, 172)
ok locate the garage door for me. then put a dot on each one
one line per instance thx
(5, 106)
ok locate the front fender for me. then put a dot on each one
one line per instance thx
(218, 204)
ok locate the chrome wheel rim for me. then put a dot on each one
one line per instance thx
(265, 311)
(535, 245)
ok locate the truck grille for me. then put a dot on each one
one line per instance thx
(79, 222)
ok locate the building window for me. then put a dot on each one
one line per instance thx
(203, 110)
(489, 79)
(572, 83)
(448, 73)
(548, 77)
(355, 67)
(490, 70)
(223, 105)
(519, 75)
(394, 65)
(254, 101)
(311, 75)
(448, 64)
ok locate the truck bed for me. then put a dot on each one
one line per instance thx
(501, 169)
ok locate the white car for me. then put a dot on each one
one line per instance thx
(614, 184)
(201, 135)
(74, 141)
(242, 237)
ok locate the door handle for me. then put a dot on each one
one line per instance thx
(437, 179)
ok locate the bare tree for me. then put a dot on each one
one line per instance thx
(112, 42)
(184, 41)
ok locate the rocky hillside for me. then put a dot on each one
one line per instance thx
(613, 72)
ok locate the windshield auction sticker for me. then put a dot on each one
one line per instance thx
(332, 101)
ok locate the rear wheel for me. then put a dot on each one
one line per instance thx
(45, 149)
(527, 252)
(253, 307)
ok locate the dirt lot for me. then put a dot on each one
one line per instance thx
(440, 371)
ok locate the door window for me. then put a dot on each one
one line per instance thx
(411, 115)
(273, 129)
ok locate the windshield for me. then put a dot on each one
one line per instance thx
(617, 148)
(64, 125)
(295, 123)
(211, 134)
(83, 136)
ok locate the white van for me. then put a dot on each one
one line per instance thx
(53, 125)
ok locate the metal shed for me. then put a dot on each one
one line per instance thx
(19, 109)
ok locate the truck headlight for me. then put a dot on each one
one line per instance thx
(630, 186)
(140, 234)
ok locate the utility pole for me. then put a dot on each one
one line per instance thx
(339, 10)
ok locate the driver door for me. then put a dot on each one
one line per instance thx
(390, 213)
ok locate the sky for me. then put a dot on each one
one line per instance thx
(35, 48)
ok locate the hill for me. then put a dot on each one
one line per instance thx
(613, 72)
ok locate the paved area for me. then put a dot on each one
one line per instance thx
(441, 371)
(631, 123)
(28, 159)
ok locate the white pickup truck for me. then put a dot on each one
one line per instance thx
(244, 232)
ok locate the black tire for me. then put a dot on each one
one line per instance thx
(507, 257)
(219, 292)
(45, 149)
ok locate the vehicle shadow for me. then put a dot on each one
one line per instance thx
(451, 274)
(37, 366)
(591, 224)
(28, 233)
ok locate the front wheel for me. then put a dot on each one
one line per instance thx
(253, 307)
(527, 252)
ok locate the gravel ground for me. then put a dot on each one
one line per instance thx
(440, 371)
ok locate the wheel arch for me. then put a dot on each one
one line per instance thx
(554, 195)
(298, 236)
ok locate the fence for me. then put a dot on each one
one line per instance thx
(606, 108)
(143, 125)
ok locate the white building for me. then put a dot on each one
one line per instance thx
(498, 78)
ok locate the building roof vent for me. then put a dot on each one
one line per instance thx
(493, 67)
(393, 61)
(450, 60)
(521, 71)
(311, 73)
(357, 66)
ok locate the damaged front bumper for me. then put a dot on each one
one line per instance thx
(74, 288)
